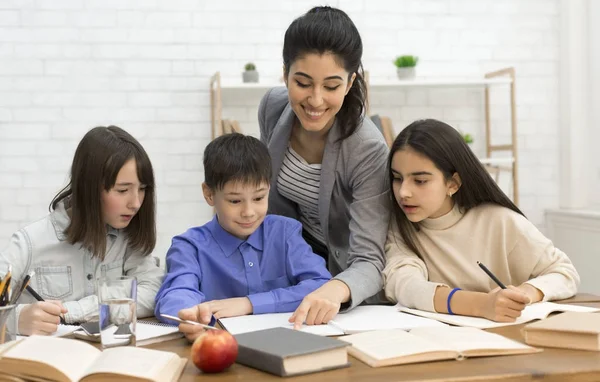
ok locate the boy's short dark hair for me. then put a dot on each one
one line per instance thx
(236, 157)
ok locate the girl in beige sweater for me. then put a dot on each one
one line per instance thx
(448, 213)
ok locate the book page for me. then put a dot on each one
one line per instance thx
(531, 312)
(474, 322)
(541, 310)
(253, 323)
(379, 317)
(132, 361)
(387, 344)
(464, 339)
(71, 357)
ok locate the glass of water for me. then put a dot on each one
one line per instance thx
(117, 299)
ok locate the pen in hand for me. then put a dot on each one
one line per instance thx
(40, 298)
(492, 276)
(177, 319)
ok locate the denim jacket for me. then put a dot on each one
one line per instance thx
(68, 272)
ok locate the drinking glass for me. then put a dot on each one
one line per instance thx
(117, 299)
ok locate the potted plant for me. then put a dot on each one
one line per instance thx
(467, 137)
(250, 74)
(406, 66)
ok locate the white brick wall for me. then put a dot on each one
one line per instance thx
(68, 65)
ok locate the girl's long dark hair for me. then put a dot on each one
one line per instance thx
(99, 157)
(446, 148)
(330, 30)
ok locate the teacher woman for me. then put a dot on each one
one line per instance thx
(329, 160)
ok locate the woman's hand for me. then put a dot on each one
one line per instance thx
(321, 305)
(504, 305)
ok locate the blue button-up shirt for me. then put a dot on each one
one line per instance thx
(275, 268)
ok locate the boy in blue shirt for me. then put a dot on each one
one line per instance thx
(243, 261)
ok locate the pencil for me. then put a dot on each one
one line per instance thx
(22, 287)
(4, 285)
(492, 276)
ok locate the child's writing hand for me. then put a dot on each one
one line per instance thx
(203, 313)
(41, 318)
(534, 294)
(320, 306)
(504, 305)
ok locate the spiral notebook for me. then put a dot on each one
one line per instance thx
(148, 332)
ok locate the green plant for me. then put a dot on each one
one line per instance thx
(406, 61)
(468, 138)
(250, 66)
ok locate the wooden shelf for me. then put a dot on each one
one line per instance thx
(501, 160)
(438, 83)
(500, 77)
(232, 84)
(239, 85)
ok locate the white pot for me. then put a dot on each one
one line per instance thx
(250, 76)
(406, 73)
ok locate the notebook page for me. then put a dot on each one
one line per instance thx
(379, 317)
(463, 338)
(63, 330)
(531, 312)
(252, 323)
(386, 344)
(147, 330)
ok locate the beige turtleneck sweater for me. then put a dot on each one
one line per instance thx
(503, 240)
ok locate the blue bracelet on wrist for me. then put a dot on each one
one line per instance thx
(449, 298)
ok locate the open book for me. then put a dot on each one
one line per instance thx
(69, 360)
(360, 319)
(397, 347)
(531, 312)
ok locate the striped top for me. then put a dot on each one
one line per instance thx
(299, 182)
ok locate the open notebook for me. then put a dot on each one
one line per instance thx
(531, 312)
(63, 331)
(360, 319)
(147, 332)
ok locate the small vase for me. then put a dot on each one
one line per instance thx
(406, 73)
(250, 76)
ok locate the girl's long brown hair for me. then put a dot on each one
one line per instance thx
(446, 148)
(98, 159)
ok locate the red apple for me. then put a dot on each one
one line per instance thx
(214, 351)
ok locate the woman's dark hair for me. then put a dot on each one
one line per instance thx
(98, 159)
(329, 30)
(446, 148)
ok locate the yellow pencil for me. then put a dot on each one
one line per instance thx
(4, 284)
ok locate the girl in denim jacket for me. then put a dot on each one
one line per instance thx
(101, 224)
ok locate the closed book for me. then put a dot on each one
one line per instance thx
(286, 352)
(571, 330)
